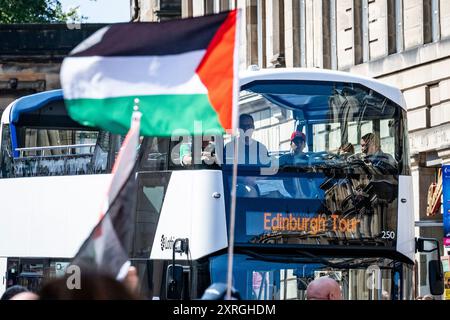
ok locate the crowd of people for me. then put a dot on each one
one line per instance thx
(98, 286)
(93, 285)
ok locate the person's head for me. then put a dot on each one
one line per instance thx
(428, 297)
(246, 124)
(13, 291)
(27, 295)
(298, 141)
(92, 286)
(323, 288)
(346, 148)
(370, 143)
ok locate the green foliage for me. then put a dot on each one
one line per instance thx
(36, 11)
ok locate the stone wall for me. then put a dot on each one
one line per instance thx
(31, 56)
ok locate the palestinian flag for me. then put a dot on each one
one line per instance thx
(180, 70)
(106, 248)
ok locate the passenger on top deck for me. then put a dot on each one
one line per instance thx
(371, 151)
(250, 152)
(298, 143)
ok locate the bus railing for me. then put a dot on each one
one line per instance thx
(43, 150)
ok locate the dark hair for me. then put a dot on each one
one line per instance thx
(93, 286)
(245, 115)
(347, 147)
(371, 138)
(12, 291)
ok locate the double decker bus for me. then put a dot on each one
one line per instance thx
(342, 207)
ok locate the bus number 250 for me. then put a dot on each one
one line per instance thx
(388, 235)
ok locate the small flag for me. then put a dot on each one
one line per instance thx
(106, 249)
(181, 71)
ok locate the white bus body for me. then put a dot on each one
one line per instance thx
(48, 217)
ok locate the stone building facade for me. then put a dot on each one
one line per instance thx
(31, 56)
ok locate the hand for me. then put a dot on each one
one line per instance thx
(187, 160)
(131, 280)
(207, 157)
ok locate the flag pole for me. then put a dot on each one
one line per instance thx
(232, 217)
(235, 127)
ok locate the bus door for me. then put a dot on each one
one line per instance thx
(3, 262)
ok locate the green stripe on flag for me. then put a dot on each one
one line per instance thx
(162, 114)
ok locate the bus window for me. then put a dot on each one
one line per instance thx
(197, 151)
(182, 153)
(334, 118)
(30, 272)
(154, 153)
(6, 153)
(152, 187)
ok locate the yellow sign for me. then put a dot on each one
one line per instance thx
(313, 225)
(447, 285)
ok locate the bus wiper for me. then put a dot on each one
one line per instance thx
(346, 264)
(273, 258)
(320, 259)
(294, 168)
(285, 259)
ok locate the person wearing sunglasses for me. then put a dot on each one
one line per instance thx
(251, 151)
(296, 155)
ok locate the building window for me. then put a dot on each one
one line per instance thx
(399, 40)
(431, 17)
(435, 20)
(302, 33)
(209, 6)
(427, 21)
(391, 27)
(261, 32)
(364, 30)
(252, 36)
(326, 30)
(358, 29)
(333, 36)
(225, 5)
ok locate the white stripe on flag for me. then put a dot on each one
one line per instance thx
(103, 77)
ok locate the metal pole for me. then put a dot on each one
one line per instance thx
(232, 217)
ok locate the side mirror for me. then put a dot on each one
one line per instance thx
(174, 282)
(435, 270)
(436, 277)
(177, 283)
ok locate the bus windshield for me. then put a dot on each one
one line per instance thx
(278, 279)
(339, 152)
(313, 124)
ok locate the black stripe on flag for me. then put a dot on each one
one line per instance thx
(156, 38)
(106, 249)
